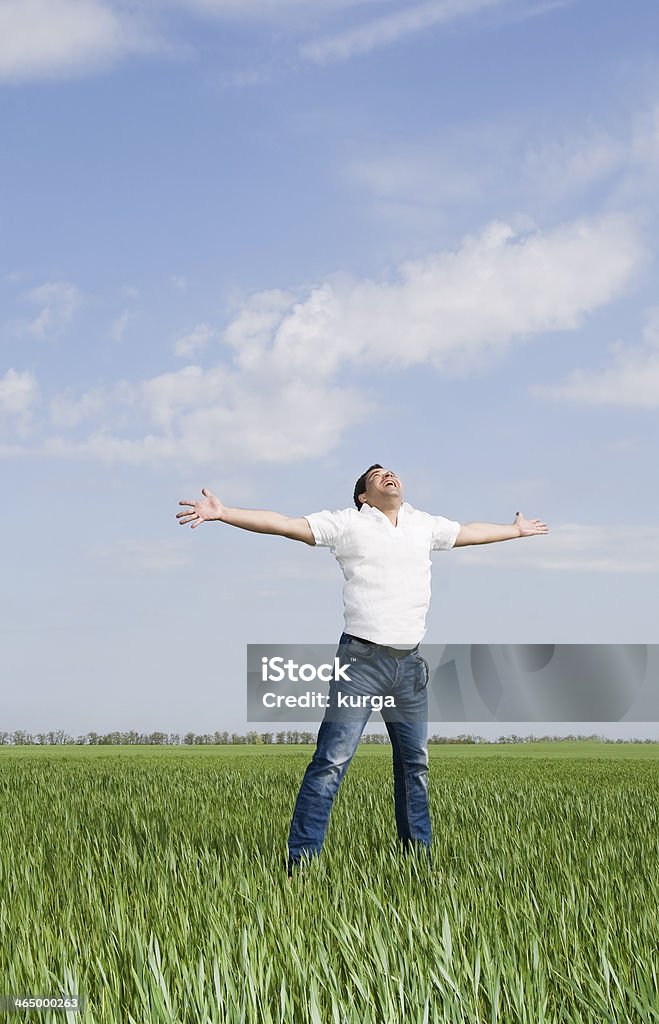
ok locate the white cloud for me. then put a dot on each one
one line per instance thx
(195, 341)
(64, 38)
(196, 416)
(50, 38)
(459, 309)
(292, 420)
(421, 183)
(19, 394)
(388, 29)
(203, 417)
(67, 412)
(42, 39)
(119, 325)
(286, 394)
(254, 324)
(631, 380)
(167, 396)
(575, 163)
(420, 176)
(58, 301)
(19, 391)
(626, 160)
(572, 547)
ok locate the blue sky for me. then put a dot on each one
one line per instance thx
(258, 245)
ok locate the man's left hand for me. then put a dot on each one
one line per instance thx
(529, 527)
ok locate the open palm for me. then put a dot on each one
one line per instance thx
(530, 527)
(205, 510)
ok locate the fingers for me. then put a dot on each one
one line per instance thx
(538, 524)
(532, 526)
(191, 515)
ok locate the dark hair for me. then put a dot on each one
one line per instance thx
(360, 486)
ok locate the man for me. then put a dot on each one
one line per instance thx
(383, 547)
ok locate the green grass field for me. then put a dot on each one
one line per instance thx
(152, 880)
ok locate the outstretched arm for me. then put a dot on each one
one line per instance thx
(488, 533)
(210, 509)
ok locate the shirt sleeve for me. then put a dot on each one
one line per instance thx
(445, 533)
(326, 527)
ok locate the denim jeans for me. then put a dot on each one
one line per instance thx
(372, 672)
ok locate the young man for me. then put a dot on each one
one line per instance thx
(383, 547)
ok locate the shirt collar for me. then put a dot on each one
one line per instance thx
(376, 513)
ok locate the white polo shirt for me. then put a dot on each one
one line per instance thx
(386, 594)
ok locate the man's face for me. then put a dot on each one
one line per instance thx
(381, 482)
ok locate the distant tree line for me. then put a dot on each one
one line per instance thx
(514, 738)
(21, 738)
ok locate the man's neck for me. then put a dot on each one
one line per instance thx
(390, 510)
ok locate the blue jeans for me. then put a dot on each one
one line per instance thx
(373, 673)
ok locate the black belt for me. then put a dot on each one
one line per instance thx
(394, 652)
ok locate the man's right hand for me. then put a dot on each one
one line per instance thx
(207, 509)
(254, 519)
